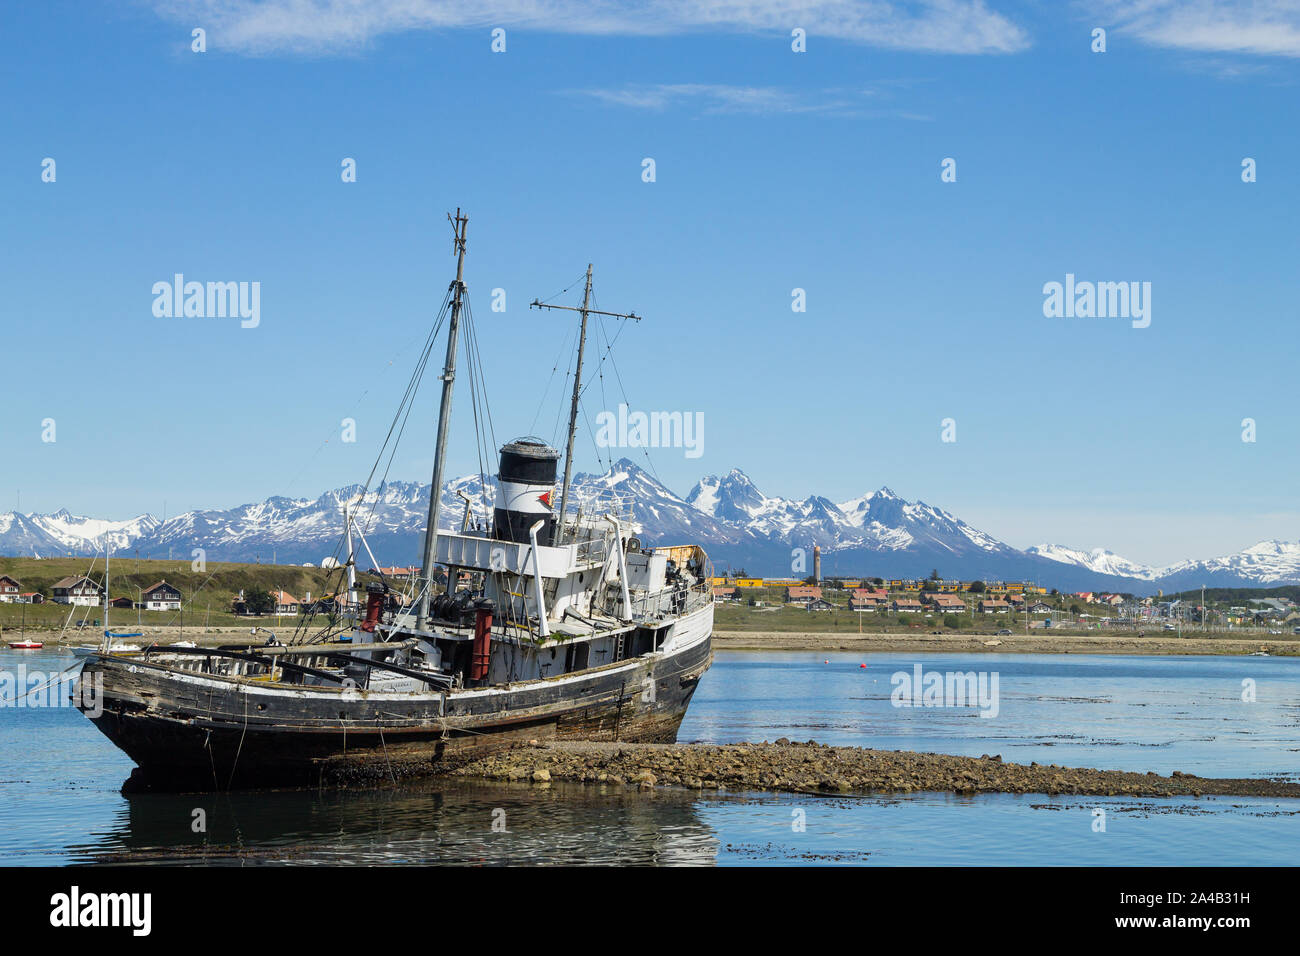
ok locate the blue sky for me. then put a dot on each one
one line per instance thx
(775, 170)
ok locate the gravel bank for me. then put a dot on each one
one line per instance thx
(1040, 643)
(820, 769)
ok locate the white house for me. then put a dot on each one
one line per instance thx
(285, 603)
(161, 597)
(78, 590)
(9, 590)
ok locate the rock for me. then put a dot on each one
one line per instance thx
(541, 776)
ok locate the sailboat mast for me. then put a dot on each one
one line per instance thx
(573, 409)
(108, 548)
(459, 226)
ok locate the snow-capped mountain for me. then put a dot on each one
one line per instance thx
(879, 533)
(61, 532)
(1098, 559)
(1261, 565)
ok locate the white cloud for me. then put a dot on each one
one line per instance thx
(1257, 27)
(340, 26)
(722, 98)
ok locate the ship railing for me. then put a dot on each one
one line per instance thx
(592, 550)
(651, 605)
(593, 508)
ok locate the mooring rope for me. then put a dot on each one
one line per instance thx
(379, 724)
(240, 748)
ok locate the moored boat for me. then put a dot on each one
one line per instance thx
(534, 622)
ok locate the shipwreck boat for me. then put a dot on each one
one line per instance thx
(536, 623)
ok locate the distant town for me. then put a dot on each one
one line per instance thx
(936, 596)
(228, 592)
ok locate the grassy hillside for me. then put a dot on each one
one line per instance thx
(206, 596)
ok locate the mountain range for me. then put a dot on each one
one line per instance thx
(877, 534)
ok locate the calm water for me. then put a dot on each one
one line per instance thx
(59, 779)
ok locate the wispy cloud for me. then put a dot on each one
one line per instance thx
(713, 98)
(1254, 27)
(340, 26)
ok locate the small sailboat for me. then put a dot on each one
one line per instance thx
(22, 644)
(112, 641)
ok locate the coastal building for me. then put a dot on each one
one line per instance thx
(725, 593)
(865, 603)
(1039, 607)
(994, 606)
(9, 590)
(907, 605)
(285, 603)
(31, 597)
(866, 599)
(161, 597)
(948, 603)
(122, 603)
(820, 604)
(802, 594)
(325, 604)
(78, 590)
(410, 573)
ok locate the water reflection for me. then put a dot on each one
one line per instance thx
(60, 780)
(480, 823)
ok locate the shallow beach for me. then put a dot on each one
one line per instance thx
(1161, 644)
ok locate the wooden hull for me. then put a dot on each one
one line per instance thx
(190, 731)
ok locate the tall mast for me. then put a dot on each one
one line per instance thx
(586, 310)
(459, 226)
(573, 408)
(108, 546)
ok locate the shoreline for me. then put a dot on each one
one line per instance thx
(819, 642)
(822, 770)
(1152, 644)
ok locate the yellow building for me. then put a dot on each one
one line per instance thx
(749, 582)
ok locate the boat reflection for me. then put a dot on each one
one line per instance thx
(439, 822)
